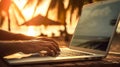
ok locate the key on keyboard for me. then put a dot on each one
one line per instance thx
(71, 53)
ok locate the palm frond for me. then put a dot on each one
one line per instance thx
(29, 3)
(73, 5)
(1, 21)
(38, 3)
(52, 5)
(16, 20)
(61, 11)
(18, 10)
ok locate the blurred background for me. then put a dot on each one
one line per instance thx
(49, 18)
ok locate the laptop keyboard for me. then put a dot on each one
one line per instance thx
(67, 52)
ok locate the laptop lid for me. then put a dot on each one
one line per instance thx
(96, 26)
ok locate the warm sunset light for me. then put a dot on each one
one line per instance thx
(28, 12)
(31, 31)
(43, 15)
(42, 10)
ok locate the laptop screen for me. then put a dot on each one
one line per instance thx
(96, 25)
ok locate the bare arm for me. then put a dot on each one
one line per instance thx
(12, 43)
(28, 46)
(4, 35)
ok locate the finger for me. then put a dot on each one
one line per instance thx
(53, 46)
(52, 43)
(50, 46)
(50, 40)
(47, 39)
(49, 52)
(57, 47)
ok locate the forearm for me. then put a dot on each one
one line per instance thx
(10, 47)
(4, 35)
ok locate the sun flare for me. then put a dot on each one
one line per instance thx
(31, 31)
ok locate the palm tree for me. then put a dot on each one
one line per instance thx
(62, 11)
(18, 11)
(61, 14)
(77, 4)
(4, 6)
(29, 3)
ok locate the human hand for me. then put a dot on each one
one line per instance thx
(48, 45)
(30, 46)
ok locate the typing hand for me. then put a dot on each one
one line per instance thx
(49, 46)
(30, 46)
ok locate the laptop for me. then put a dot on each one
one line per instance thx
(92, 36)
